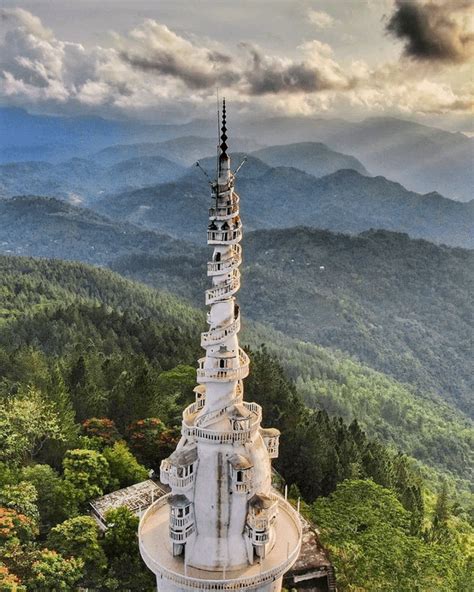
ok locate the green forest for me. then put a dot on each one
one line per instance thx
(94, 372)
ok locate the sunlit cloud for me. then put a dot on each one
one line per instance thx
(153, 69)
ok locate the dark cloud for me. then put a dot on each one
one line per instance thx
(272, 76)
(433, 31)
(167, 65)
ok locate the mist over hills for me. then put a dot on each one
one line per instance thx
(79, 179)
(185, 150)
(311, 157)
(423, 158)
(344, 201)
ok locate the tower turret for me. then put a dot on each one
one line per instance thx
(223, 527)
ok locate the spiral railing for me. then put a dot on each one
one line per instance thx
(219, 334)
(224, 289)
(226, 265)
(225, 374)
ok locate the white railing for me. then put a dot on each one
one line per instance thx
(190, 583)
(219, 334)
(223, 212)
(224, 237)
(258, 538)
(210, 416)
(181, 522)
(242, 487)
(180, 482)
(179, 537)
(225, 265)
(224, 374)
(190, 430)
(224, 289)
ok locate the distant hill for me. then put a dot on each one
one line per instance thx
(27, 136)
(311, 157)
(345, 201)
(79, 180)
(399, 305)
(185, 150)
(423, 158)
(46, 227)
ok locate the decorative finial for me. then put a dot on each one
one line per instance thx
(223, 145)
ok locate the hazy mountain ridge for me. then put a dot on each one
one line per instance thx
(423, 158)
(79, 179)
(314, 158)
(47, 227)
(344, 201)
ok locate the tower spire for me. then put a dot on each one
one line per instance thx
(224, 138)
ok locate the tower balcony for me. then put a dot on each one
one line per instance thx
(211, 416)
(224, 190)
(173, 570)
(232, 236)
(227, 207)
(220, 334)
(226, 265)
(241, 473)
(181, 521)
(243, 434)
(223, 372)
(224, 212)
(179, 469)
(225, 289)
(271, 438)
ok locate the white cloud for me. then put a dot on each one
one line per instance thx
(320, 19)
(153, 69)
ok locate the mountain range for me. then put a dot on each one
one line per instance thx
(423, 158)
(344, 201)
(400, 305)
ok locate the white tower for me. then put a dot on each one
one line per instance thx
(223, 527)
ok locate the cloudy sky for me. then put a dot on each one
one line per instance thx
(164, 59)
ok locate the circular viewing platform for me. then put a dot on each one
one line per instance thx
(189, 428)
(153, 538)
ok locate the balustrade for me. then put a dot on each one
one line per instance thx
(220, 334)
(191, 430)
(224, 237)
(226, 265)
(181, 580)
(224, 289)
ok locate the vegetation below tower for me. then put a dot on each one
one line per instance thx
(77, 343)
